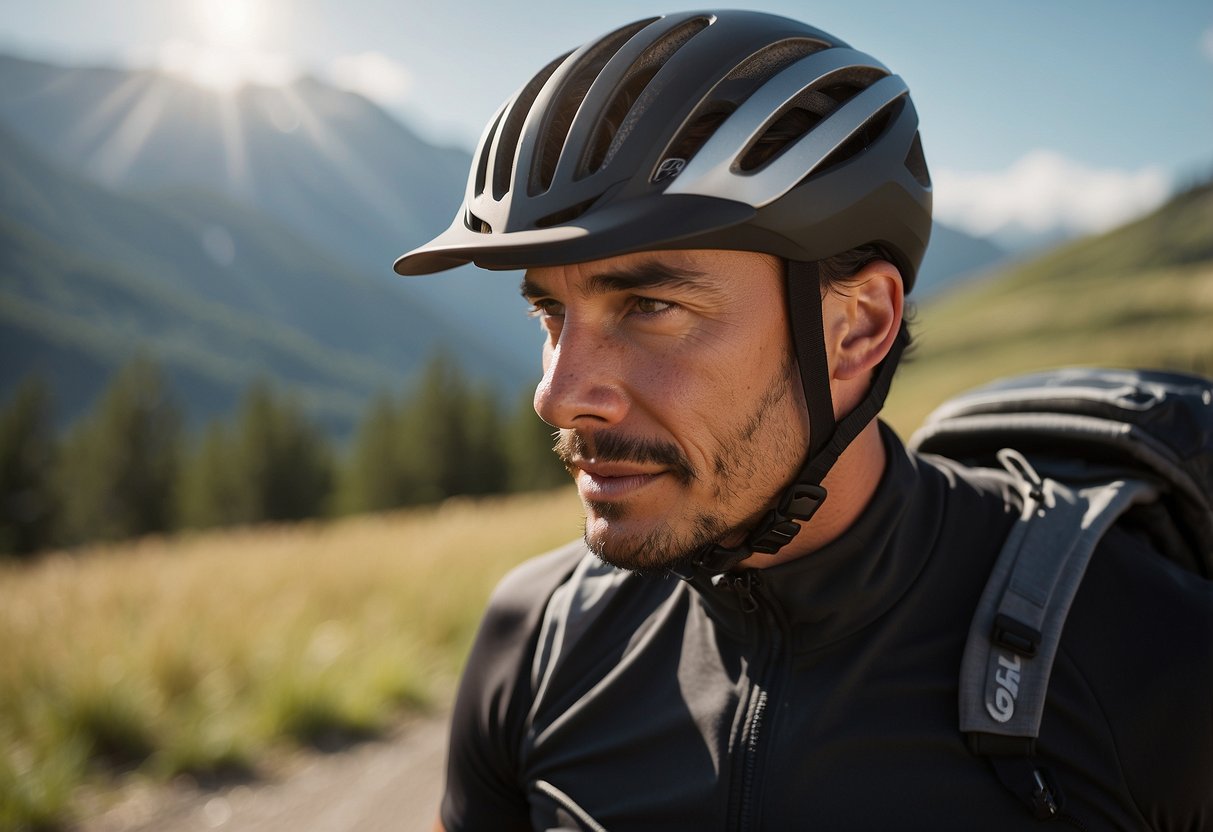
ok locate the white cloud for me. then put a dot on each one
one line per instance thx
(1206, 43)
(1043, 192)
(373, 74)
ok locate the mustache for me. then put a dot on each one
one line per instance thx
(613, 447)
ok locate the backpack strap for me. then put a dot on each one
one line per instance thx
(1014, 636)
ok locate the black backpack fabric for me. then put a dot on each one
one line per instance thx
(1087, 448)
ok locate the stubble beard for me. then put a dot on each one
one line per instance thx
(737, 473)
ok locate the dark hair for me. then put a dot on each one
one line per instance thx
(836, 272)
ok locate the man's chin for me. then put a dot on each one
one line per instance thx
(636, 550)
(646, 549)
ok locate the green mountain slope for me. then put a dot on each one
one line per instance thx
(1140, 295)
(73, 321)
(327, 165)
(216, 292)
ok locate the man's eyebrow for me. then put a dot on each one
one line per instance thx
(530, 289)
(650, 275)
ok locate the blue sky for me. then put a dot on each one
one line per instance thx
(1075, 113)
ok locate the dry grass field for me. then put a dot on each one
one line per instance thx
(198, 654)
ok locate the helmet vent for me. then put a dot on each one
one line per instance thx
(568, 100)
(809, 109)
(635, 94)
(735, 88)
(565, 214)
(778, 137)
(916, 163)
(699, 129)
(511, 129)
(771, 60)
(482, 164)
(865, 136)
(474, 223)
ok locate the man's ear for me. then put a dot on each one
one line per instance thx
(862, 318)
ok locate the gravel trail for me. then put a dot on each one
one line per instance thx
(391, 784)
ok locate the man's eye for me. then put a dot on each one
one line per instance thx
(546, 309)
(652, 306)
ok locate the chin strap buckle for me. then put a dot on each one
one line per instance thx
(777, 529)
(802, 501)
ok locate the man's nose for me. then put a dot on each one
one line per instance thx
(582, 384)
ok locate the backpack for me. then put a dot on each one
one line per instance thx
(1086, 448)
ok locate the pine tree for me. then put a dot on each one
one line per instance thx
(284, 463)
(434, 432)
(528, 451)
(211, 490)
(376, 477)
(29, 504)
(119, 466)
(486, 468)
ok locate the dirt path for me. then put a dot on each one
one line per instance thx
(393, 784)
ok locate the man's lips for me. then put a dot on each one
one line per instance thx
(612, 480)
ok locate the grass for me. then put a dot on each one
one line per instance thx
(198, 654)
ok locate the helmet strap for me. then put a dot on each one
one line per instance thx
(827, 438)
(809, 344)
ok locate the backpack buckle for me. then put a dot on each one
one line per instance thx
(1015, 635)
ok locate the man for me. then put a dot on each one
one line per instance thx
(720, 214)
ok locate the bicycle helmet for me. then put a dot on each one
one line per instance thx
(716, 129)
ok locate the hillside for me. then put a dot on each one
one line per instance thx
(328, 166)
(1140, 295)
(218, 293)
(952, 258)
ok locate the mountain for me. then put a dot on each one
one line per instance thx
(1138, 296)
(954, 257)
(218, 293)
(328, 165)
(321, 161)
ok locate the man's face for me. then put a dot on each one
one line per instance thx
(669, 375)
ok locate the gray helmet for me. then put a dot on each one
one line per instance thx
(723, 129)
(719, 130)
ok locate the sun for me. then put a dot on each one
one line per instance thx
(222, 46)
(234, 25)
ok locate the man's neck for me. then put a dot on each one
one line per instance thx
(849, 486)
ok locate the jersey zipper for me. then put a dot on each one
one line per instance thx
(748, 586)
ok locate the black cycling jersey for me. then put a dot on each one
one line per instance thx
(822, 693)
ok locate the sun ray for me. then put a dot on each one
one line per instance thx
(87, 131)
(362, 178)
(98, 119)
(235, 157)
(113, 160)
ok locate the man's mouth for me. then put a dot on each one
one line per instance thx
(601, 481)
